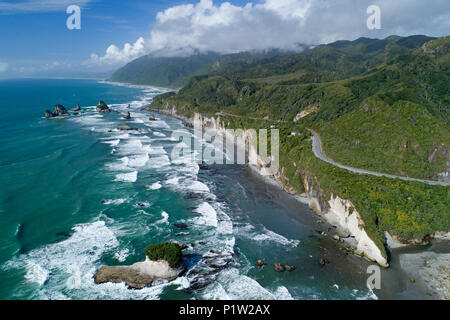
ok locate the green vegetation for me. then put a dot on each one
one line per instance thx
(171, 252)
(381, 105)
(161, 71)
(392, 117)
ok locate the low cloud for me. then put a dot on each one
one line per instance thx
(228, 28)
(3, 66)
(114, 55)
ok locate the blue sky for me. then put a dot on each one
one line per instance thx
(35, 40)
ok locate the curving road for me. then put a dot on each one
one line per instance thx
(318, 152)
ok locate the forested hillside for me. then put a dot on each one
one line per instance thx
(381, 105)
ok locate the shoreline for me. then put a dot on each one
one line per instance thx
(403, 262)
(142, 86)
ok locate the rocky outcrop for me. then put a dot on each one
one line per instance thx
(164, 261)
(126, 127)
(302, 114)
(48, 114)
(140, 274)
(102, 107)
(278, 267)
(260, 263)
(58, 111)
(77, 108)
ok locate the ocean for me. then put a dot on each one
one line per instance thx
(76, 194)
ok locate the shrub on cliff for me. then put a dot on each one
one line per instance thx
(171, 252)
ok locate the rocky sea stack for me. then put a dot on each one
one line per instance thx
(58, 111)
(164, 261)
(126, 127)
(77, 108)
(102, 107)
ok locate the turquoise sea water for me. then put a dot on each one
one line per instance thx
(76, 194)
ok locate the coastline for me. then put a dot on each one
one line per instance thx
(142, 86)
(337, 212)
(409, 265)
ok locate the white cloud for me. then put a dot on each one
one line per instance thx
(114, 55)
(268, 24)
(3, 66)
(27, 6)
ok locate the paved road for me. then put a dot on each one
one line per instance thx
(318, 152)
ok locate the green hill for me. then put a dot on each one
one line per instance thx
(381, 105)
(171, 72)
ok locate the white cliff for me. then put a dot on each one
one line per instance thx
(336, 211)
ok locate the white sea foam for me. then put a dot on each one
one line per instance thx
(282, 293)
(55, 263)
(158, 162)
(155, 186)
(71, 265)
(225, 224)
(122, 255)
(123, 136)
(121, 165)
(157, 124)
(231, 285)
(157, 150)
(208, 216)
(114, 201)
(132, 146)
(198, 186)
(165, 219)
(138, 161)
(127, 177)
(173, 181)
(36, 273)
(249, 231)
(112, 142)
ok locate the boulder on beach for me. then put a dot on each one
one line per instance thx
(164, 261)
(102, 107)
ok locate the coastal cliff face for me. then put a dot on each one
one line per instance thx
(338, 212)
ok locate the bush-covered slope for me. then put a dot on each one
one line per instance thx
(391, 115)
(161, 71)
(393, 118)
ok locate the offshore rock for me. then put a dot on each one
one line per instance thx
(58, 111)
(140, 274)
(77, 108)
(102, 107)
(126, 127)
